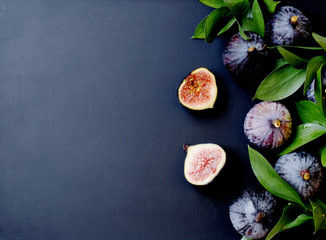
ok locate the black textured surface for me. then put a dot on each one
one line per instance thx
(91, 131)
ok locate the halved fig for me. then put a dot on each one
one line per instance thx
(198, 91)
(203, 162)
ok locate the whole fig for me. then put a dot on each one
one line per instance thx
(253, 213)
(302, 171)
(288, 26)
(246, 59)
(268, 124)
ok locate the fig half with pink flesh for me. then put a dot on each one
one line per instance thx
(198, 91)
(268, 124)
(203, 162)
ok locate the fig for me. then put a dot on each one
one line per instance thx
(302, 171)
(203, 162)
(310, 94)
(288, 26)
(246, 59)
(253, 213)
(268, 124)
(198, 91)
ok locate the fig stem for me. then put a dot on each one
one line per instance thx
(259, 216)
(305, 174)
(251, 49)
(185, 146)
(276, 123)
(294, 20)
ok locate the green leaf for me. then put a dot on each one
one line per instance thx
(309, 112)
(306, 132)
(253, 20)
(213, 3)
(237, 6)
(319, 91)
(270, 180)
(288, 220)
(212, 22)
(294, 60)
(313, 65)
(322, 153)
(227, 26)
(281, 83)
(319, 212)
(271, 5)
(280, 63)
(244, 238)
(200, 30)
(241, 31)
(320, 40)
(297, 47)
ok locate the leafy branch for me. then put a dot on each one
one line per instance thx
(246, 13)
(295, 213)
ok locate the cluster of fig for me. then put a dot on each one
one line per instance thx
(250, 59)
(269, 124)
(253, 213)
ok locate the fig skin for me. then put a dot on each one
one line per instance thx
(288, 26)
(203, 162)
(253, 213)
(198, 91)
(246, 59)
(302, 171)
(310, 94)
(268, 125)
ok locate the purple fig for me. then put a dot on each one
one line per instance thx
(302, 171)
(268, 124)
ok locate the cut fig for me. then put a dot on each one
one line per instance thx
(253, 213)
(203, 162)
(288, 26)
(302, 171)
(198, 91)
(268, 124)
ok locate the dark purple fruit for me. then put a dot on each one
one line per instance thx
(246, 59)
(302, 171)
(288, 26)
(311, 90)
(268, 124)
(252, 214)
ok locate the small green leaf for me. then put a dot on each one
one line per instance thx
(322, 153)
(313, 65)
(309, 112)
(271, 5)
(227, 26)
(306, 132)
(213, 3)
(241, 31)
(281, 83)
(319, 91)
(212, 25)
(288, 220)
(270, 180)
(320, 40)
(319, 212)
(244, 238)
(294, 60)
(200, 30)
(237, 6)
(253, 20)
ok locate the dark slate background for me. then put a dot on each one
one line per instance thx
(91, 130)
